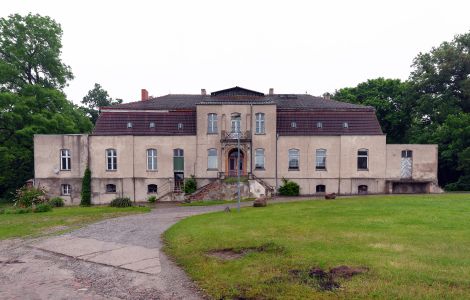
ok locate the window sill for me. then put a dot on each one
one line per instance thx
(65, 170)
(212, 169)
(152, 170)
(152, 193)
(110, 192)
(293, 169)
(262, 133)
(212, 133)
(111, 170)
(320, 170)
(363, 170)
(65, 195)
(260, 169)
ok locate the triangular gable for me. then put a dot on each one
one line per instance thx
(237, 91)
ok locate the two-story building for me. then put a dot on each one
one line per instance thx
(150, 146)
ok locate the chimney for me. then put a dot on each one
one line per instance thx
(145, 95)
(271, 91)
(203, 92)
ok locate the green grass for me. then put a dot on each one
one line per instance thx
(214, 202)
(58, 220)
(416, 247)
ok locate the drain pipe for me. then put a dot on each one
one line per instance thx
(277, 185)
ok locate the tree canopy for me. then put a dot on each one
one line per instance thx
(30, 49)
(96, 98)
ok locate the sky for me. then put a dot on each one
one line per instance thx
(181, 47)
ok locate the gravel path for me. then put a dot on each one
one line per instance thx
(30, 273)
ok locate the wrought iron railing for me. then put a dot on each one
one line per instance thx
(233, 136)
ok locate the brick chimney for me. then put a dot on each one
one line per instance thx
(145, 95)
(271, 91)
(203, 92)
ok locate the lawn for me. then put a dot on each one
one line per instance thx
(214, 202)
(414, 247)
(58, 220)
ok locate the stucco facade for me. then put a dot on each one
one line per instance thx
(282, 145)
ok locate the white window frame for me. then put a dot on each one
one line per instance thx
(320, 165)
(111, 159)
(235, 124)
(212, 123)
(259, 159)
(362, 156)
(152, 159)
(294, 154)
(66, 189)
(67, 158)
(212, 160)
(260, 123)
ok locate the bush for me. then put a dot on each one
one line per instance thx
(27, 196)
(463, 184)
(86, 188)
(121, 202)
(233, 180)
(152, 199)
(190, 185)
(289, 188)
(44, 207)
(56, 202)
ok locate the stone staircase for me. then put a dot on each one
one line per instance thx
(203, 192)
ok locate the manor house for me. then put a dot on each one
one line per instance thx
(150, 146)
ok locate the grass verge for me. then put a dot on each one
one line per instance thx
(413, 247)
(214, 202)
(59, 220)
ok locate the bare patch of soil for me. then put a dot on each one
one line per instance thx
(236, 253)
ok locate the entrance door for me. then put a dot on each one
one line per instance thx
(232, 162)
(179, 181)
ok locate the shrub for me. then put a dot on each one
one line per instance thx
(234, 179)
(190, 185)
(463, 184)
(289, 188)
(56, 202)
(152, 199)
(121, 202)
(27, 196)
(86, 188)
(43, 207)
(12, 211)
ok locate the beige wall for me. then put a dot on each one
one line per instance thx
(424, 161)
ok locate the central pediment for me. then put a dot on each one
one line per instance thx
(237, 91)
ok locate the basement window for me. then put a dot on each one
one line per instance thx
(110, 188)
(152, 189)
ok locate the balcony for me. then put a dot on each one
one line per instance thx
(232, 137)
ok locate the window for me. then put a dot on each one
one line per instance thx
(319, 124)
(110, 188)
(260, 123)
(321, 188)
(152, 189)
(129, 124)
(293, 124)
(212, 159)
(212, 123)
(151, 159)
(407, 154)
(362, 189)
(178, 160)
(180, 126)
(362, 159)
(294, 159)
(111, 159)
(152, 125)
(65, 189)
(345, 125)
(65, 160)
(259, 159)
(236, 122)
(320, 159)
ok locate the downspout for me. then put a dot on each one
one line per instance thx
(251, 140)
(133, 165)
(277, 185)
(339, 166)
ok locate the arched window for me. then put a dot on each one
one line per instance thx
(212, 159)
(321, 188)
(65, 160)
(362, 189)
(111, 159)
(259, 159)
(151, 159)
(212, 123)
(65, 189)
(152, 189)
(294, 158)
(110, 188)
(320, 159)
(363, 159)
(260, 129)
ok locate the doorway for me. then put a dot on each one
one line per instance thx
(233, 161)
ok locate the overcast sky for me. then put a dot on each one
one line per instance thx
(291, 46)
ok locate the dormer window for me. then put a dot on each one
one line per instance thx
(129, 124)
(293, 124)
(152, 125)
(319, 124)
(345, 125)
(180, 126)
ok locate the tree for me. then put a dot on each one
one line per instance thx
(33, 110)
(86, 188)
(96, 98)
(30, 49)
(391, 100)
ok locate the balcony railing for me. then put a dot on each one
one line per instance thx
(228, 136)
